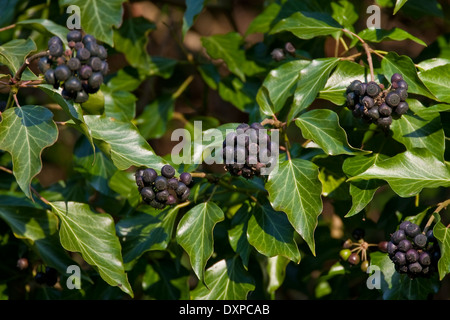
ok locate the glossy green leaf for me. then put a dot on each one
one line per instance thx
(442, 234)
(132, 39)
(279, 86)
(420, 131)
(46, 25)
(271, 233)
(195, 234)
(296, 190)
(276, 270)
(124, 143)
(307, 27)
(263, 22)
(438, 81)
(147, 229)
(409, 172)
(152, 122)
(344, 13)
(14, 52)
(98, 17)
(395, 34)
(119, 104)
(393, 63)
(25, 132)
(322, 126)
(226, 280)
(312, 79)
(237, 233)
(93, 235)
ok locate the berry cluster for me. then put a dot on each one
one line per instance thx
(159, 191)
(355, 252)
(49, 277)
(368, 101)
(79, 70)
(412, 251)
(247, 150)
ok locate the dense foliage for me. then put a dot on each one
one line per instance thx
(359, 130)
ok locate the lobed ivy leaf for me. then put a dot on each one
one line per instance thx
(322, 126)
(442, 234)
(279, 85)
(147, 229)
(307, 27)
(409, 172)
(296, 190)
(436, 79)
(25, 132)
(379, 35)
(93, 235)
(98, 17)
(195, 234)
(271, 233)
(420, 130)
(14, 52)
(312, 79)
(123, 143)
(225, 280)
(393, 63)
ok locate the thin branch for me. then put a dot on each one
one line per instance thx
(27, 62)
(439, 208)
(368, 52)
(7, 27)
(16, 100)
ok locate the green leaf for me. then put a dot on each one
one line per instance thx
(126, 146)
(195, 234)
(307, 27)
(98, 17)
(271, 233)
(193, 8)
(279, 86)
(93, 235)
(119, 104)
(46, 25)
(14, 52)
(438, 81)
(338, 82)
(160, 66)
(409, 172)
(379, 35)
(237, 233)
(152, 122)
(312, 79)
(393, 63)
(442, 234)
(398, 5)
(226, 280)
(148, 229)
(362, 192)
(344, 13)
(276, 270)
(263, 22)
(132, 40)
(25, 132)
(420, 131)
(322, 126)
(296, 190)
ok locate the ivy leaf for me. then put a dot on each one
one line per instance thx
(393, 63)
(363, 191)
(132, 39)
(295, 189)
(344, 13)
(312, 79)
(379, 35)
(398, 5)
(420, 131)
(152, 122)
(437, 80)
(237, 233)
(276, 270)
(442, 234)
(123, 143)
(46, 25)
(147, 229)
(98, 17)
(271, 233)
(93, 235)
(322, 126)
(338, 82)
(195, 234)
(226, 280)
(307, 27)
(193, 8)
(24, 133)
(279, 85)
(119, 104)
(409, 172)
(14, 52)
(263, 22)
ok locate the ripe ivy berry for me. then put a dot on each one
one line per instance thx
(393, 99)
(373, 89)
(186, 178)
(168, 171)
(354, 258)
